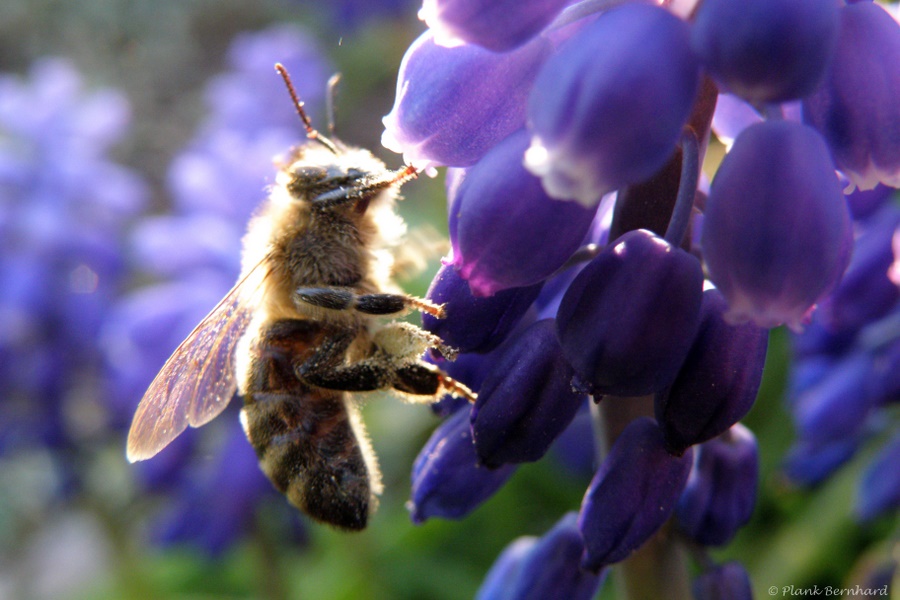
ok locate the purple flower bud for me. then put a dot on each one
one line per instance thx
(766, 50)
(776, 235)
(632, 494)
(506, 232)
(718, 382)
(608, 108)
(526, 400)
(530, 569)
(475, 324)
(879, 491)
(446, 479)
(454, 104)
(725, 582)
(720, 493)
(856, 108)
(628, 320)
(809, 463)
(496, 25)
(839, 405)
(866, 293)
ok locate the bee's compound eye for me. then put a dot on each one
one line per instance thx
(308, 174)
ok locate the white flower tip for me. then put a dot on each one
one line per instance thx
(388, 139)
(444, 34)
(742, 309)
(562, 178)
(894, 270)
(429, 169)
(869, 177)
(412, 154)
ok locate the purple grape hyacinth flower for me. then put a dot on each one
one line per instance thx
(627, 321)
(526, 400)
(879, 491)
(866, 293)
(475, 324)
(720, 493)
(838, 406)
(767, 50)
(496, 25)
(590, 138)
(718, 382)
(846, 379)
(808, 463)
(776, 234)
(618, 88)
(505, 230)
(447, 481)
(454, 104)
(632, 494)
(546, 567)
(856, 108)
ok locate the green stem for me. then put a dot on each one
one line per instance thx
(658, 569)
(270, 577)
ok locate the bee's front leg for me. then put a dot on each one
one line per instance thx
(344, 298)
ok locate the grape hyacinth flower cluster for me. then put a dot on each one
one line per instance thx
(194, 254)
(64, 206)
(546, 112)
(847, 372)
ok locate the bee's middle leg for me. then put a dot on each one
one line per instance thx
(343, 298)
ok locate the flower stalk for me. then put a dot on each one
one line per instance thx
(659, 568)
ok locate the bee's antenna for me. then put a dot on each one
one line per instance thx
(333, 82)
(311, 131)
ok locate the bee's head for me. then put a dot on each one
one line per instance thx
(333, 177)
(308, 181)
(345, 182)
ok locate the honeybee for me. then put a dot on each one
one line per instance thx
(301, 331)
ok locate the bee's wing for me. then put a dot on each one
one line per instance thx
(198, 380)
